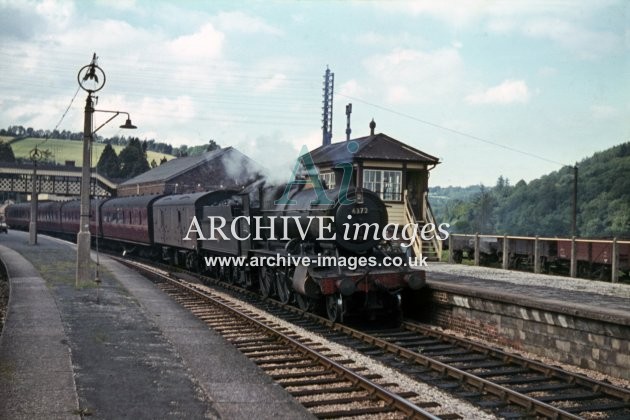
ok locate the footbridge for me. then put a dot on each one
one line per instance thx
(52, 179)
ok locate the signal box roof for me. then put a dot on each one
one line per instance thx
(374, 147)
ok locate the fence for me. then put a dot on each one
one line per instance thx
(582, 254)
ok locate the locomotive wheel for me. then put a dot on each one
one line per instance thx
(265, 279)
(334, 307)
(305, 303)
(282, 287)
(222, 273)
(192, 263)
(232, 275)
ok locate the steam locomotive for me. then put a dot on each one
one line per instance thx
(324, 255)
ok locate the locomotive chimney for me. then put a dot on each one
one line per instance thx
(372, 127)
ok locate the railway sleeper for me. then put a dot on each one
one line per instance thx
(335, 401)
(571, 397)
(544, 387)
(598, 407)
(319, 391)
(521, 380)
(321, 381)
(501, 372)
(354, 412)
(463, 364)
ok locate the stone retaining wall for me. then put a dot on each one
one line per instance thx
(569, 338)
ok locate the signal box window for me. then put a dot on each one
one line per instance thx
(387, 184)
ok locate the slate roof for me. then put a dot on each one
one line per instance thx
(175, 167)
(374, 147)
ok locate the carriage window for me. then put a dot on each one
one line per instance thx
(387, 184)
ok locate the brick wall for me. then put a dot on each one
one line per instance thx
(588, 343)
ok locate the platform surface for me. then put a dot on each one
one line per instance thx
(586, 298)
(122, 350)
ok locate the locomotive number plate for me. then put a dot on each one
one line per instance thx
(360, 210)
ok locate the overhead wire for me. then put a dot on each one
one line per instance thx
(452, 130)
(241, 98)
(61, 119)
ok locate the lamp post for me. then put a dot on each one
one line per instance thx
(32, 226)
(91, 78)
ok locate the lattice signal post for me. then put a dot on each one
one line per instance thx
(327, 108)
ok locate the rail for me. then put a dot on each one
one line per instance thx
(614, 256)
(240, 322)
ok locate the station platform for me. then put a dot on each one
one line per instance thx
(590, 299)
(583, 323)
(121, 350)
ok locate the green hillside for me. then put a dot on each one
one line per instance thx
(63, 150)
(544, 206)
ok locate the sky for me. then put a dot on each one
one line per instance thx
(493, 88)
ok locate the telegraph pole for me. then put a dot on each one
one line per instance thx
(575, 197)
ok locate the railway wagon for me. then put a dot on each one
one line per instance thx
(594, 258)
(521, 252)
(489, 248)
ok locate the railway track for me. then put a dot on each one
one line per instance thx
(327, 384)
(505, 384)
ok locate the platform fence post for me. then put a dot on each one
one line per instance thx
(537, 255)
(506, 253)
(573, 272)
(476, 249)
(614, 276)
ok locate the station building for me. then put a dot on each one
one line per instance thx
(225, 168)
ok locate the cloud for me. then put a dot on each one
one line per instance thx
(510, 91)
(206, 43)
(416, 76)
(242, 22)
(351, 88)
(586, 44)
(376, 39)
(562, 21)
(271, 84)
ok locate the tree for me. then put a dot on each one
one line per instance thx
(109, 164)
(6, 152)
(212, 145)
(133, 162)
